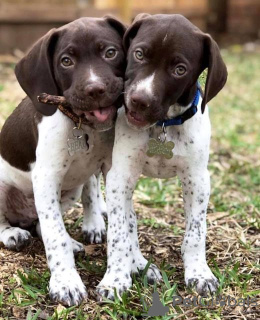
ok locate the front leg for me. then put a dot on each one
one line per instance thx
(127, 162)
(119, 190)
(52, 163)
(65, 283)
(196, 191)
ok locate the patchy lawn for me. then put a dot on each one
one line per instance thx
(233, 221)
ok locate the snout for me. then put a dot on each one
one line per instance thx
(97, 101)
(141, 107)
(137, 107)
(95, 92)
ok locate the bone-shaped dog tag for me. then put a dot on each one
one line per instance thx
(78, 142)
(157, 147)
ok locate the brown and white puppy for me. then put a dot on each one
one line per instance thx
(166, 54)
(39, 178)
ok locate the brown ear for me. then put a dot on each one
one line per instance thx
(217, 71)
(116, 24)
(133, 29)
(35, 72)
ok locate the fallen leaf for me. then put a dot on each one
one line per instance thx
(217, 215)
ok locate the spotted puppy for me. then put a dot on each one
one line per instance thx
(164, 107)
(44, 159)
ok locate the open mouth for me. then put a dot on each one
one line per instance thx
(135, 118)
(99, 115)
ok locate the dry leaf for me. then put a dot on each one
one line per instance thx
(216, 216)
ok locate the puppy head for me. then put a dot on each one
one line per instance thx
(166, 55)
(83, 61)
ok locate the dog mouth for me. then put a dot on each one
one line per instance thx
(100, 115)
(136, 119)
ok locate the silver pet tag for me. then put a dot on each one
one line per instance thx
(78, 142)
(160, 146)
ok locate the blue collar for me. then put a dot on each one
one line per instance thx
(176, 121)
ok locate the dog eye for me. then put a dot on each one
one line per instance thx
(139, 54)
(66, 62)
(110, 53)
(180, 70)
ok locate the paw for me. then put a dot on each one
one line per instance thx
(78, 248)
(93, 236)
(94, 231)
(203, 281)
(153, 273)
(204, 287)
(110, 282)
(15, 238)
(67, 288)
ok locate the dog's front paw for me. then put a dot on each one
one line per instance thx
(153, 273)
(94, 231)
(67, 288)
(203, 281)
(15, 238)
(204, 287)
(120, 282)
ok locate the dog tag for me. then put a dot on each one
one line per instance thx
(157, 147)
(78, 142)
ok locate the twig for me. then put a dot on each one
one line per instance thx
(186, 312)
(53, 100)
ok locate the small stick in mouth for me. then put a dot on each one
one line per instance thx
(53, 100)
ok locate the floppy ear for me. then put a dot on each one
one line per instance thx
(116, 24)
(35, 72)
(217, 71)
(133, 29)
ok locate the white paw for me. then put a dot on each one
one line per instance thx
(201, 279)
(114, 280)
(94, 229)
(153, 273)
(78, 248)
(67, 288)
(15, 238)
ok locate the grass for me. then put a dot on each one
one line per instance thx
(233, 223)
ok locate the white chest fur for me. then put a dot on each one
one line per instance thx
(191, 146)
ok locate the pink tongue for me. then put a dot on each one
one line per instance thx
(102, 113)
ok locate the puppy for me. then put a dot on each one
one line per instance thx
(47, 155)
(164, 131)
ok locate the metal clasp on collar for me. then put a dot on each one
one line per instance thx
(163, 135)
(77, 131)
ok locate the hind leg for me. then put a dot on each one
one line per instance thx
(12, 237)
(68, 198)
(94, 229)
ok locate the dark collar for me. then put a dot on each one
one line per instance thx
(73, 116)
(176, 121)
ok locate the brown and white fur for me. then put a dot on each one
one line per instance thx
(166, 55)
(83, 61)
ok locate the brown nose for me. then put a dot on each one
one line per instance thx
(139, 100)
(95, 91)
